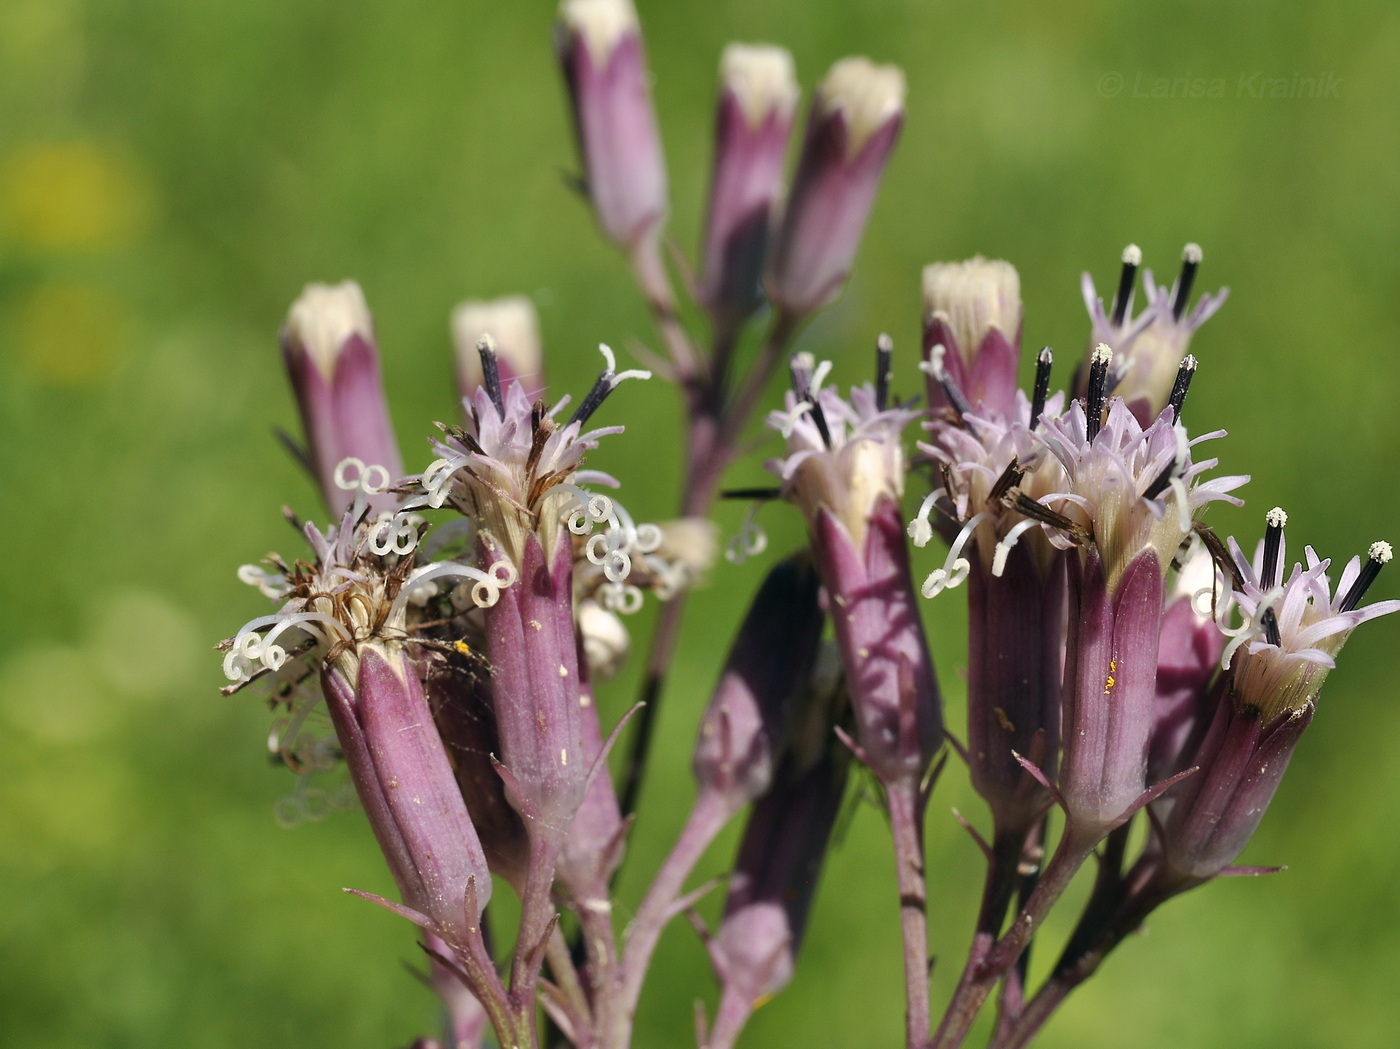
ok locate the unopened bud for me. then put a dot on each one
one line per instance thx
(973, 309)
(329, 351)
(747, 721)
(514, 329)
(600, 48)
(854, 122)
(757, 104)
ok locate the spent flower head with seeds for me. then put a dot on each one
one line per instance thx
(354, 592)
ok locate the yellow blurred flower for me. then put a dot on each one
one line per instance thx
(70, 196)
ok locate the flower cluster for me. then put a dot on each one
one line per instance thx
(446, 634)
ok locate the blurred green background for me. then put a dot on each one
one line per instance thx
(171, 175)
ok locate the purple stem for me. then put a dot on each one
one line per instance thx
(706, 820)
(714, 423)
(906, 804)
(1073, 971)
(731, 1016)
(980, 975)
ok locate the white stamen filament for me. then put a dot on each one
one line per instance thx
(1251, 628)
(437, 481)
(370, 478)
(485, 592)
(615, 377)
(1183, 504)
(270, 584)
(613, 559)
(920, 530)
(792, 417)
(956, 568)
(622, 598)
(1003, 550)
(395, 533)
(251, 646)
(588, 510)
(750, 541)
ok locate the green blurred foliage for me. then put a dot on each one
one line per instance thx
(172, 174)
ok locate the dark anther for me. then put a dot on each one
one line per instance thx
(1041, 389)
(1273, 547)
(1009, 479)
(1379, 555)
(1220, 555)
(751, 493)
(1271, 634)
(884, 348)
(1184, 374)
(1098, 391)
(1161, 481)
(491, 373)
(1190, 262)
(596, 396)
(1123, 299)
(802, 387)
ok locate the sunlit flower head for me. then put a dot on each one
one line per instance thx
(843, 455)
(993, 469)
(1293, 628)
(1149, 350)
(1129, 488)
(515, 470)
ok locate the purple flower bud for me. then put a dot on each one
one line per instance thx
(845, 470)
(346, 613)
(328, 348)
(1015, 654)
(757, 103)
(536, 686)
(1109, 687)
(594, 849)
(894, 691)
(855, 119)
(514, 329)
(459, 690)
(994, 467)
(600, 48)
(775, 876)
(401, 770)
(1217, 810)
(972, 310)
(744, 728)
(1130, 500)
(1277, 662)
